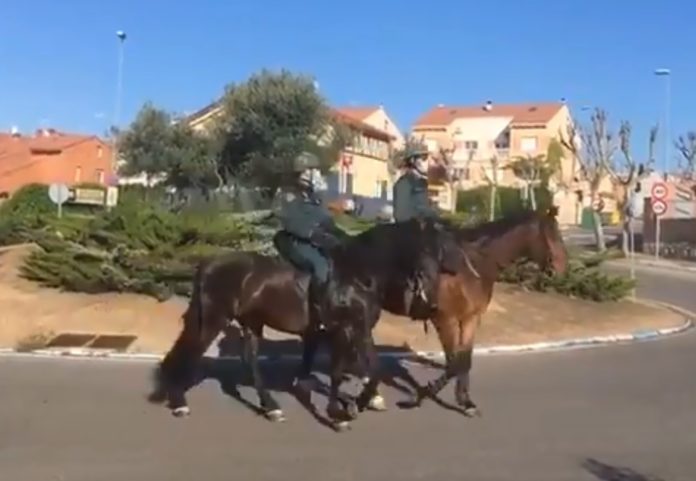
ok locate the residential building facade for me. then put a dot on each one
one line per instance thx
(362, 169)
(482, 141)
(49, 156)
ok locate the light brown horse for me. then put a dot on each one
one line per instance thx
(463, 298)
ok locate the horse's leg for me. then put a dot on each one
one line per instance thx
(447, 327)
(370, 397)
(340, 409)
(177, 372)
(310, 344)
(464, 363)
(271, 409)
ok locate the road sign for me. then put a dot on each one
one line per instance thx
(659, 207)
(659, 191)
(58, 193)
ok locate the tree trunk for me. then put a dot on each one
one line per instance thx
(491, 214)
(598, 231)
(532, 197)
(626, 236)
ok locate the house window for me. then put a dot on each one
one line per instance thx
(382, 190)
(345, 183)
(99, 176)
(348, 184)
(332, 183)
(99, 152)
(78, 174)
(528, 144)
(503, 140)
(471, 145)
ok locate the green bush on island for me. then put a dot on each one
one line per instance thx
(140, 246)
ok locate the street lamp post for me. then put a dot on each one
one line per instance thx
(667, 73)
(121, 35)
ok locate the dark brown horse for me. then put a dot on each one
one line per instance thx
(463, 298)
(257, 291)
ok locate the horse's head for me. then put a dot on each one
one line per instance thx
(547, 248)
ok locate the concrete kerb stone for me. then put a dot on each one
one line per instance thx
(653, 263)
(560, 345)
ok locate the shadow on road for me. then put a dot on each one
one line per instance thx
(233, 374)
(606, 472)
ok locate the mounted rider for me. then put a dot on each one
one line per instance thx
(410, 194)
(308, 230)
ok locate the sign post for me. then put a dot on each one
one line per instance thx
(59, 194)
(659, 207)
(631, 214)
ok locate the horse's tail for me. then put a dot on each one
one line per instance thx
(168, 371)
(194, 313)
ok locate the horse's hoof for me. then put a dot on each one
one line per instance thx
(377, 403)
(276, 415)
(181, 411)
(410, 404)
(341, 426)
(352, 410)
(472, 412)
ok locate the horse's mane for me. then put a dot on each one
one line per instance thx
(367, 248)
(496, 228)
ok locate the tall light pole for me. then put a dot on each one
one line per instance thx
(121, 35)
(667, 73)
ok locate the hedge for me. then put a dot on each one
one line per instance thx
(140, 246)
(476, 202)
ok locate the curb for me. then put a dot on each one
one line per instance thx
(655, 264)
(566, 344)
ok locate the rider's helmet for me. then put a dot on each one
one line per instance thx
(416, 157)
(303, 165)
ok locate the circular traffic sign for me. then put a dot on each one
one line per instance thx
(658, 191)
(659, 207)
(58, 193)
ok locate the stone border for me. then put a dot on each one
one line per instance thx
(560, 345)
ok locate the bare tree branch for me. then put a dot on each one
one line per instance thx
(686, 145)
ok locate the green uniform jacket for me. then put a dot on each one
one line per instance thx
(411, 198)
(301, 216)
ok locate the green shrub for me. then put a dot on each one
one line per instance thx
(29, 201)
(582, 280)
(476, 202)
(136, 247)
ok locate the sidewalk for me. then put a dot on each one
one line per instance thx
(650, 261)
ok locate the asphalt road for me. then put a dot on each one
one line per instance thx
(613, 413)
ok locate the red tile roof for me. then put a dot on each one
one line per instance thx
(343, 115)
(358, 113)
(16, 150)
(366, 129)
(530, 113)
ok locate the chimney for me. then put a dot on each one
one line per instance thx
(489, 106)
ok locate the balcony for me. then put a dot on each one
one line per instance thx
(502, 153)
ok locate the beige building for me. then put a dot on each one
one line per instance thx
(477, 134)
(362, 169)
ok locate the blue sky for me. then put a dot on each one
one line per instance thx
(58, 59)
